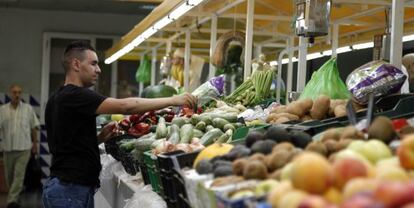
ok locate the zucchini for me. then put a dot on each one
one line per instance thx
(237, 125)
(175, 134)
(209, 128)
(229, 126)
(161, 131)
(230, 117)
(220, 123)
(179, 121)
(144, 144)
(210, 136)
(201, 126)
(195, 119)
(186, 133)
(197, 133)
(222, 139)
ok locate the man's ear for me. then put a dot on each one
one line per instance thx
(76, 64)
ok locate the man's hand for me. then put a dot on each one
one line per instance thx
(107, 132)
(185, 99)
(34, 148)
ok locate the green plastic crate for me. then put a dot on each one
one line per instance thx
(151, 162)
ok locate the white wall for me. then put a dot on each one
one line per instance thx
(21, 39)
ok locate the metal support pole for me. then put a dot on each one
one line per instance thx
(335, 34)
(169, 47)
(140, 84)
(153, 65)
(303, 51)
(290, 44)
(187, 55)
(114, 79)
(249, 39)
(213, 40)
(397, 27)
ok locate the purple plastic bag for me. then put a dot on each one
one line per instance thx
(376, 77)
(210, 90)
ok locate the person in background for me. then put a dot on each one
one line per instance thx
(71, 128)
(408, 63)
(19, 128)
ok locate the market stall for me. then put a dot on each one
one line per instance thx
(330, 144)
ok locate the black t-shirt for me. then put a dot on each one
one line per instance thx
(71, 130)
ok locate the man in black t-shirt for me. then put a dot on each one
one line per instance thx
(71, 128)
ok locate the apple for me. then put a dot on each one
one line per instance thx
(117, 117)
(347, 168)
(292, 199)
(395, 194)
(311, 172)
(313, 201)
(265, 187)
(286, 172)
(373, 150)
(359, 185)
(389, 162)
(362, 201)
(333, 195)
(405, 152)
(347, 153)
(277, 192)
(387, 172)
(410, 205)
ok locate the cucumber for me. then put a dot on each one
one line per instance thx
(175, 134)
(195, 119)
(220, 123)
(222, 139)
(201, 126)
(186, 133)
(197, 133)
(230, 117)
(179, 121)
(161, 131)
(237, 125)
(168, 131)
(210, 136)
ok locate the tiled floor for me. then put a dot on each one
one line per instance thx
(31, 199)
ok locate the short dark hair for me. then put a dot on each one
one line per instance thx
(75, 50)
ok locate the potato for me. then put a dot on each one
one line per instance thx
(351, 132)
(280, 120)
(271, 117)
(296, 109)
(320, 107)
(306, 104)
(334, 103)
(306, 118)
(340, 110)
(289, 116)
(334, 134)
(279, 109)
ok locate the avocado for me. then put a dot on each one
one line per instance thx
(223, 170)
(278, 134)
(219, 163)
(300, 139)
(204, 167)
(264, 147)
(238, 151)
(253, 137)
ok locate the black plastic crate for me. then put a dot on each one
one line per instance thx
(170, 165)
(144, 172)
(112, 148)
(128, 162)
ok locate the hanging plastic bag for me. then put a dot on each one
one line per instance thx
(145, 198)
(326, 81)
(376, 77)
(143, 74)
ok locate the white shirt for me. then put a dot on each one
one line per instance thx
(16, 125)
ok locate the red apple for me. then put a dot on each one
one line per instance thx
(313, 202)
(410, 205)
(362, 201)
(358, 186)
(405, 152)
(395, 194)
(347, 168)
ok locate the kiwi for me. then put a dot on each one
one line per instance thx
(278, 134)
(276, 175)
(278, 159)
(300, 139)
(253, 137)
(333, 133)
(382, 129)
(258, 156)
(238, 166)
(255, 170)
(406, 130)
(331, 146)
(284, 146)
(264, 146)
(317, 146)
(351, 132)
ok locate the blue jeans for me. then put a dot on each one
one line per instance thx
(58, 194)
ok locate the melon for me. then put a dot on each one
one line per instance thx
(212, 151)
(158, 91)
